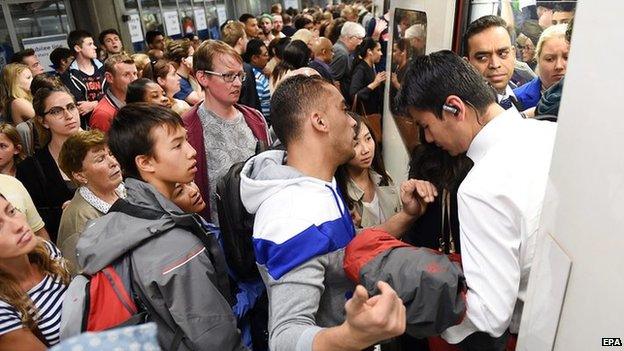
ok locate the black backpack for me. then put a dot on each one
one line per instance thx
(236, 224)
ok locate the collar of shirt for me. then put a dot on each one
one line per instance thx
(508, 93)
(494, 131)
(114, 100)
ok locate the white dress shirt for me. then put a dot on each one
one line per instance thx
(499, 206)
(508, 92)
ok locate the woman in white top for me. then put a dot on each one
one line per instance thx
(33, 280)
(368, 190)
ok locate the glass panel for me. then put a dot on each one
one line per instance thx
(37, 19)
(152, 18)
(6, 49)
(187, 17)
(171, 19)
(409, 41)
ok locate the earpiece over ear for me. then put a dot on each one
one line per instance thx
(450, 108)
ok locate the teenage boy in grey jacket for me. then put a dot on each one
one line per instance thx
(183, 281)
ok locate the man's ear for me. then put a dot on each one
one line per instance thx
(144, 163)
(319, 122)
(457, 103)
(202, 78)
(108, 76)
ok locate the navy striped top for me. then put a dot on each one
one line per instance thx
(264, 92)
(47, 296)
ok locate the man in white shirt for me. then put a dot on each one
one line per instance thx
(499, 201)
(488, 48)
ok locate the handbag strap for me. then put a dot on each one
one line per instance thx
(446, 216)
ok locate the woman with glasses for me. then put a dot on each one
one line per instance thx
(57, 118)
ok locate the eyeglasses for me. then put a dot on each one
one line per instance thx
(58, 112)
(229, 77)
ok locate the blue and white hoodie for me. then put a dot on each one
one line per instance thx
(301, 228)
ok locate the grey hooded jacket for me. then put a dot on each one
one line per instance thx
(170, 266)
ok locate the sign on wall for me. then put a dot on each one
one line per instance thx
(134, 26)
(43, 46)
(200, 19)
(172, 23)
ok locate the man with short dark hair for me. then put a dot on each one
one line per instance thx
(303, 22)
(222, 131)
(120, 71)
(488, 48)
(499, 201)
(110, 42)
(563, 14)
(85, 76)
(178, 269)
(28, 57)
(155, 40)
(251, 25)
(61, 58)
(302, 226)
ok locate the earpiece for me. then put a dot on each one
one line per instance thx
(450, 108)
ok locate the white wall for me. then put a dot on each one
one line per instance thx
(583, 217)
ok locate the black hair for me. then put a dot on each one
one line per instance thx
(106, 32)
(151, 35)
(361, 50)
(277, 46)
(296, 55)
(430, 162)
(76, 37)
(480, 25)
(301, 21)
(430, 79)
(136, 90)
(245, 16)
(292, 99)
(130, 134)
(377, 165)
(19, 56)
(565, 7)
(254, 47)
(59, 54)
(336, 28)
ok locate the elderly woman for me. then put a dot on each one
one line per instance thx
(86, 159)
(552, 61)
(57, 119)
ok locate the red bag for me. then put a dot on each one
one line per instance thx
(108, 302)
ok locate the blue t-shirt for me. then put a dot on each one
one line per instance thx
(185, 89)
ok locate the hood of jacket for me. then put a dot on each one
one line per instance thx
(266, 174)
(107, 238)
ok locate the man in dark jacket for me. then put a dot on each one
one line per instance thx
(85, 76)
(182, 278)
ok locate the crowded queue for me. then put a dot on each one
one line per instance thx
(119, 167)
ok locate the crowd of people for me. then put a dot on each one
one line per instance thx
(115, 159)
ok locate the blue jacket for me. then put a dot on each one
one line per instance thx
(530, 93)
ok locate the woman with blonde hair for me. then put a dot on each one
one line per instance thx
(551, 53)
(16, 97)
(181, 53)
(33, 281)
(140, 61)
(11, 150)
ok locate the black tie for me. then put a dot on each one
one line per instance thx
(506, 103)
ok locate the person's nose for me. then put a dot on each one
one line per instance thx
(495, 62)
(560, 64)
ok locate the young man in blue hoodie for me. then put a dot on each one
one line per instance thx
(302, 226)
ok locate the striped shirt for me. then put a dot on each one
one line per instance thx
(47, 297)
(264, 92)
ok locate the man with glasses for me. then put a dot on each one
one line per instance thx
(351, 36)
(222, 131)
